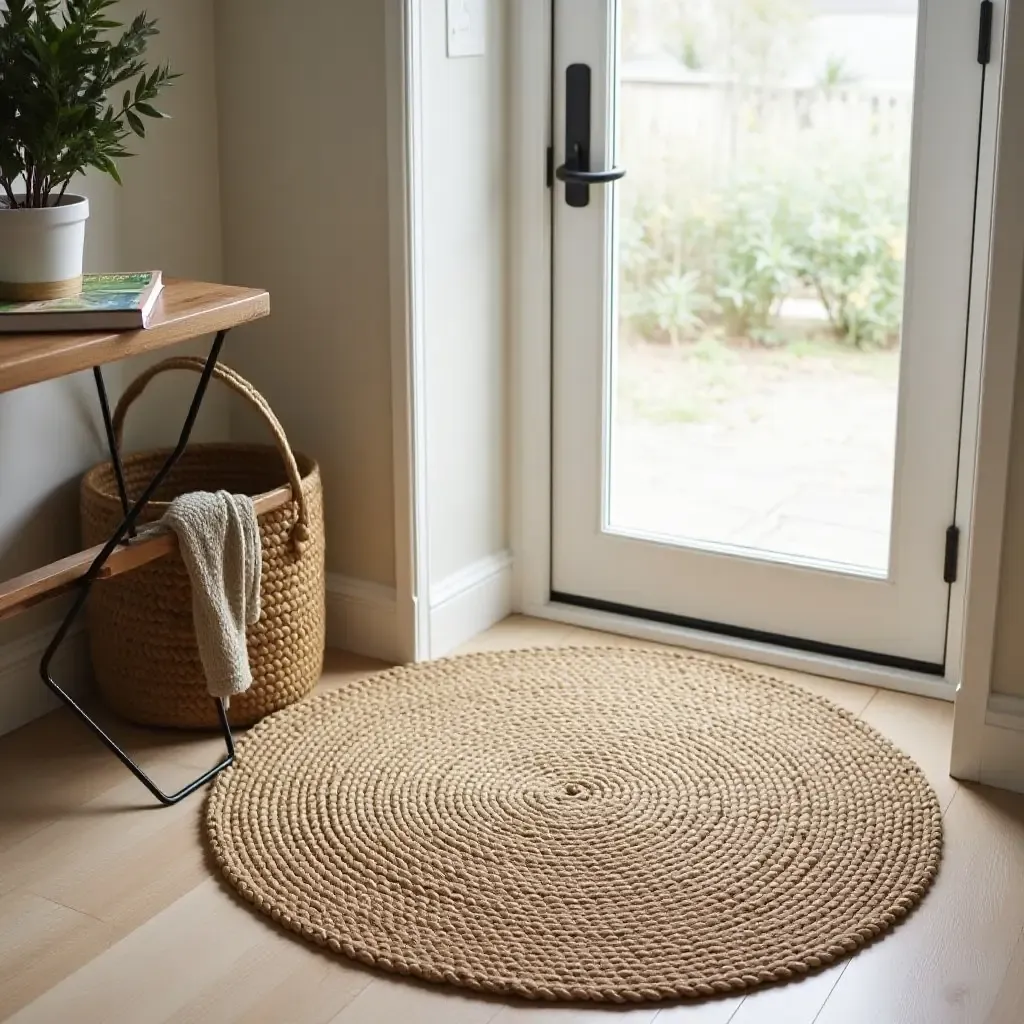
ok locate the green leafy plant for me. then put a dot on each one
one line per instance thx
(664, 250)
(835, 75)
(755, 264)
(852, 253)
(725, 264)
(59, 62)
(670, 307)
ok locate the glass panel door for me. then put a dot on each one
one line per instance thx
(761, 253)
(759, 330)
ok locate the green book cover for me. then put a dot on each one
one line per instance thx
(100, 293)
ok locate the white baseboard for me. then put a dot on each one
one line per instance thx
(23, 696)
(1002, 759)
(1005, 711)
(469, 601)
(363, 617)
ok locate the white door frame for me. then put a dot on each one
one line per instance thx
(403, 75)
(989, 397)
(422, 621)
(988, 400)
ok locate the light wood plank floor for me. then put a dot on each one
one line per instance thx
(109, 913)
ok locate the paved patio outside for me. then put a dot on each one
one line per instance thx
(787, 450)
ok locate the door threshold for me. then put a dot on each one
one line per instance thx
(886, 677)
(756, 635)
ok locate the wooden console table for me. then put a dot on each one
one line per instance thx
(185, 310)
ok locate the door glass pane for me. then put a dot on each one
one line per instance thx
(761, 239)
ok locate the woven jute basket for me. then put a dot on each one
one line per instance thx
(140, 623)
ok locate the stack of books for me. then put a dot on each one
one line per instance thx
(108, 302)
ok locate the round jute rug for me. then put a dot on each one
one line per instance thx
(588, 824)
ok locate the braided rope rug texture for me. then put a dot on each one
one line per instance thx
(579, 824)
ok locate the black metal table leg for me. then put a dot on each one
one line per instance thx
(126, 529)
(115, 452)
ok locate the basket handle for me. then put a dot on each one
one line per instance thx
(237, 383)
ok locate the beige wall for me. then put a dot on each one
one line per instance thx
(169, 209)
(166, 216)
(301, 95)
(1008, 660)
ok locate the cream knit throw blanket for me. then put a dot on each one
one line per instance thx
(219, 540)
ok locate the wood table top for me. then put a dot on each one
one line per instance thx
(184, 310)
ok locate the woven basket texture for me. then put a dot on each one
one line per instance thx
(141, 634)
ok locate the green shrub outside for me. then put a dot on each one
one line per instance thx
(722, 259)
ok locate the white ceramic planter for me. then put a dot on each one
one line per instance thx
(41, 250)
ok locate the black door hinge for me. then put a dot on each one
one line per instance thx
(985, 32)
(952, 555)
(549, 166)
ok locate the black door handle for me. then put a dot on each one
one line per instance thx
(576, 172)
(564, 173)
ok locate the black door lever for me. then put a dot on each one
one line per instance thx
(564, 173)
(576, 172)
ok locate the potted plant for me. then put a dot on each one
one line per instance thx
(60, 63)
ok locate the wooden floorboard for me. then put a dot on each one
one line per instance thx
(109, 910)
(1009, 1003)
